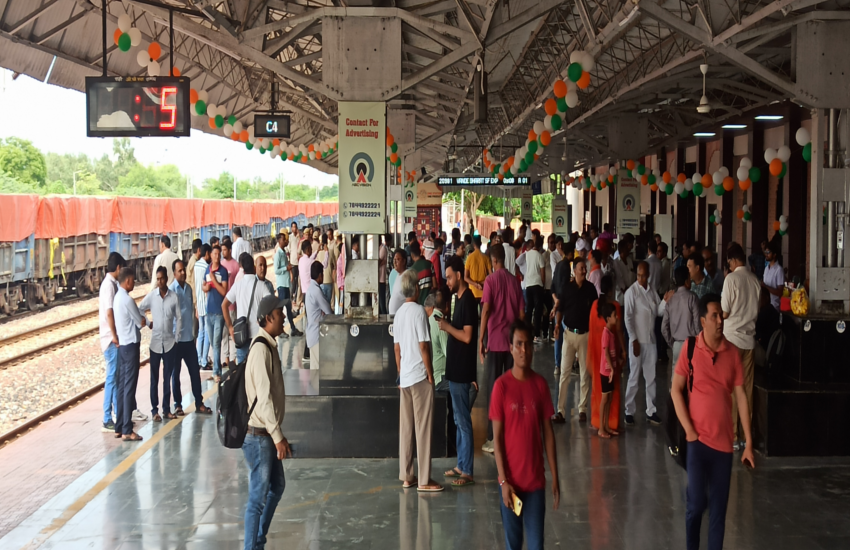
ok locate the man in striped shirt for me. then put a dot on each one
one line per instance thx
(424, 271)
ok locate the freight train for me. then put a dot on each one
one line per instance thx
(58, 245)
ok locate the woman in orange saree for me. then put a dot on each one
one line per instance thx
(594, 356)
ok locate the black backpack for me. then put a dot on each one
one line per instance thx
(677, 442)
(232, 412)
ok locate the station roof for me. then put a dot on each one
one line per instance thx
(647, 62)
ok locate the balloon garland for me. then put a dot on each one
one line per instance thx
(777, 159)
(744, 213)
(781, 225)
(804, 139)
(715, 218)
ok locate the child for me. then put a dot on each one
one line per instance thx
(607, 365)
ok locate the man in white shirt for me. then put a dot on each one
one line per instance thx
(654, 263)
(641, 309)
(165, 258)
(165, 309)
(240, 245)
(247, 294)
(510, 252)
(317, 306)
(109, 337)
(128, 321)
(623, 275)
(202, 345)
(535, 278)
(740, 303)
(774, 276)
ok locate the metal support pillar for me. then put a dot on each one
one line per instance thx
(759, 192)
(727, 154)
(701, 203)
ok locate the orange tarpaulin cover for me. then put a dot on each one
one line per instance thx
(19, 217)
(63, 216)
(139, 215)
(242, 214)
(217, 212)
(183, 214)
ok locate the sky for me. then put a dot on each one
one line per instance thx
(28, 109)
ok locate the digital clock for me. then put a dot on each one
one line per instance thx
(137, 106)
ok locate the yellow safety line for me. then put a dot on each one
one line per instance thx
(107, 480)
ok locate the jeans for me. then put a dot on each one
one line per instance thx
(242, 354)
(463, 419)
(283, 294)
(266, 483)
(202, 346)
(709, 476)
(215, 324)
(328, 292)
(126, 381)
(534, 306)
(167, 360)
(110, 392)
(185, 352)
(559, 344)
(382, 298)
(533, 516)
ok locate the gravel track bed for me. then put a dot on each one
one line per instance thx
(32, 387)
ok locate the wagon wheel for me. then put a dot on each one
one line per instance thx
(78, 284)
(31, 296)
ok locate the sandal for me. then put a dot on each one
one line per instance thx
(203, 409)
(558, 418)
(170, 416)
(132, 437)
(117, 435)
(454, 472)
(432, 487)
(411, 483)
(157, 418)
(463, 481)
(179, 412)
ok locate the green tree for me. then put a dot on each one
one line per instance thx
(23, 161)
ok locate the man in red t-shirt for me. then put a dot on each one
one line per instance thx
(520, 408)
(707, 420)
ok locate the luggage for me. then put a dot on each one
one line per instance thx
(232, 412)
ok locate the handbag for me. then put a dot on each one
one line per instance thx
(241, 338)
(677, 441)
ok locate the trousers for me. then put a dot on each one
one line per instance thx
(462, 409)
(184, 354)
(169, 382)
(110, 393)
(574, 344)
(127, 379)
(709, 475)
(215, 326)
(416, 407)
(644, 363)
(283, 294)
(202, 344)
(266, 483)
(534, 306)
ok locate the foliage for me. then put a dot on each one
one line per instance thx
(21, 160)
(494, 206)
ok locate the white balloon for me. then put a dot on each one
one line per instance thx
(252, 140)
(725, 171)
(716, 213)
(588, 63)
(135, 36)
(575, 56)
(153, 68)
(312, 155)
(539, 128)
(656, 173)
(679, 187)
(769, 154)
(689, 184)
(325, 148)
(250, 131)
(227, 129)
(124, 22)
(742, 173)
(210, 109)
(237, 127)
(746, 163)
(612, 171)
(547, 123)
(783, 226)
(783, 219)
(784, 153)
(203, 96)
(571, 99)
(273, 154)
(697, 176)
(502, 169)
(142, 58)
(303, 148)
(803, 137)
(745, 208)
(717, 178)
(276, 149)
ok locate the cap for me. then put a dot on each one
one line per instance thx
(581, 244)
(269, 304)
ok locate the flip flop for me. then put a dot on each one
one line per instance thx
(179, 412)
(132, 437)
(435, 488)
(203, 409)
(463, 481)
(453, 473)
(157, 418)
(409, 484)
(170, 416)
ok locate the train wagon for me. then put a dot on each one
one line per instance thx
(58, 245)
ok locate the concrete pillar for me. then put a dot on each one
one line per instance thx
(796, 184)
(701, 218)
(760, 191)
(727, 152)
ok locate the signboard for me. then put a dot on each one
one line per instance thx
(526, 205)
(137, 106)
(536, 188)
(560, 216)
(482, 180)
(410, 199)
(628, 204)
(362, 167)
(271, 126)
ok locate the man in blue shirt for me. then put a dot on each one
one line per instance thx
(128, 322)
(185, 347)
(215, 285)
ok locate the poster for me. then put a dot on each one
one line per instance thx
(410, 199)
(628, 204)
(560, 218)
(362, 167)
(526, 208)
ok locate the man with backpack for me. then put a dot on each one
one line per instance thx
(264, 446)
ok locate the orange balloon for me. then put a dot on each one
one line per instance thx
(603, 184)
(545, 138)
(154, 51)
(304, 159)
(531, 135)
(175, 72)
(116, 36)
(654, 187)
(630, 164)
(536, 156)
(681, 178)
(775, 167)
(560, 88)
(390, 139)
(393, 157)
(644, 179)
(584, 81)
(666, 177)
(243, 136)
(728, 185)
(193, 95)
(310, 148)
(318, 154)
(744, 184)
(212, 123)
(706, 180)
(500, 176)
(593, 189)
(234, 136)
(550, 106)
(740, 214)
(510, 161)
(776, 224)
(610, 179)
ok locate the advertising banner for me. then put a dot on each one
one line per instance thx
(628, 204)
(526, 207)
(560, 218)
(362, 167)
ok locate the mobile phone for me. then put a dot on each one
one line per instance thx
(517, 505)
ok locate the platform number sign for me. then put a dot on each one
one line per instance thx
(271, 126)
(137, 106)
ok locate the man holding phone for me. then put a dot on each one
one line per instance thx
(707, 421)
(520, 409)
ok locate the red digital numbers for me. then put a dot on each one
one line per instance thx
(165, 107)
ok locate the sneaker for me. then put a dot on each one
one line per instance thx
(139, 416)
(296, 332)
(488, 447)
(208, 366)
(654, 419)
(630, 420)
(582, 417)
(305, 359)
(108, 427)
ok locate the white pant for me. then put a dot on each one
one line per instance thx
(677, 349)
(314, 357)
(645, 363)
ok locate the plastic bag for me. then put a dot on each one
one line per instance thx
(800, 302)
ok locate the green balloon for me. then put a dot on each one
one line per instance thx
(783, 233)
(629, 173)
(807, 152)
(718, 190)
(556, 122)
(200, 107)
(747, 216)
(599, 186)
(698, 189)
(297, 157)
(755, 174)
(219, 121)
(262, 151)
(711, 219)
(784, 169)
(394, 147)
(231, 120)
(509, 174)
(683, 194)
(398, 161)
(532, 147)
(669, 189)
(613, 180)
(641, 169)
(249, 145)
(124, 42)
(562, 104)
(540, 145)
(574, 72)
(650, 179)
(523, 166)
